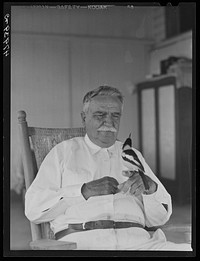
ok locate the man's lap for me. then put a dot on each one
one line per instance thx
(123, 239)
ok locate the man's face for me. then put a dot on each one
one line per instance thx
(103, 114)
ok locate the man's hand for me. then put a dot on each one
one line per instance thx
(104, 186)
(136, 185)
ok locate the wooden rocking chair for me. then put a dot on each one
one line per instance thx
(35, 144)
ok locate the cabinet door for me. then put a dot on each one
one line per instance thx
(184, 144)
(149, 127)
(165, 128)
(158, 130)
(167, 139)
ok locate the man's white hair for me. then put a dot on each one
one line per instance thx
(104, 91)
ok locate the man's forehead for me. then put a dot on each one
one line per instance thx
(105, 102)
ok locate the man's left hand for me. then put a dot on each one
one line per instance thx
(136, 186)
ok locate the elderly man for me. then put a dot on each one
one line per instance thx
(82, 186)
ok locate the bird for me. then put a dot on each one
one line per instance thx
(132, 162)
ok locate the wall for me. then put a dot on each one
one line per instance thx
(58, 56)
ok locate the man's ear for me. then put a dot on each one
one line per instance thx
(83, 116)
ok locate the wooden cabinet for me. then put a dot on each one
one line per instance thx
(165, 131)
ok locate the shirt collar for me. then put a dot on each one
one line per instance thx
(95, 148)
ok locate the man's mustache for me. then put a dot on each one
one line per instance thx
(105, 128)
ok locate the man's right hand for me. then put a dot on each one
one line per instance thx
(104, 186)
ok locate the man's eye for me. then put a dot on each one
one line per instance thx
(99, 116)
(116, 116)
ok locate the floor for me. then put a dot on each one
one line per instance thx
(20, 234)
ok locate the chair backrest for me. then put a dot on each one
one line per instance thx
(35, 145)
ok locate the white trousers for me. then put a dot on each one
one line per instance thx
(124, 239)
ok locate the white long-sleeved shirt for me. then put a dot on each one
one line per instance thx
(55, 194)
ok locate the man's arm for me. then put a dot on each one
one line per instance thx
(158, 205)
(46, 199)
(155, 200)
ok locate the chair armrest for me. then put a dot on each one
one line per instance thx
(51, 244)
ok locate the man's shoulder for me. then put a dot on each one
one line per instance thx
(72, 141)
(68, 143)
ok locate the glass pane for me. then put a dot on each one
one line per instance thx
(148, 128)
(167, 131)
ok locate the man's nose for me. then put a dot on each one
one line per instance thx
(108, 120)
